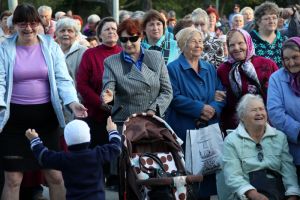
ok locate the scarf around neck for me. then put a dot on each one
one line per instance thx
(246, 66)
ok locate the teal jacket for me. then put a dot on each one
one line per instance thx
(165, 43)
(240, 158)
(61, 84)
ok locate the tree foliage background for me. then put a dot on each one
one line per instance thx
(181, 7)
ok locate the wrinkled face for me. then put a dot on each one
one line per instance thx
(45, 17)
(291, 59)
(268, 23)
(201, 25)
(66, 36)
(238, 22)
(194, 46)
(27, 31)
(154, 29)
(109, 34)
(237, 46)
(255, 114)
(130, 47)
(248, 16)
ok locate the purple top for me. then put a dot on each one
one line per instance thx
(31, 83)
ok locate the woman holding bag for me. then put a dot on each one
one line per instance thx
(257, 164)
(195, 90)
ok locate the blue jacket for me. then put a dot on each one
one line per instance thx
(190, 92)
(284, 110)
(61, 84)
(82, 168)
(240, 158)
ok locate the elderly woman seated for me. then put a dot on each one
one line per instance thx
(255, 153)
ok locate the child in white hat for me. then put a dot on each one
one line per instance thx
(81, 167)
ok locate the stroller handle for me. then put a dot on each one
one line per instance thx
(169, 180)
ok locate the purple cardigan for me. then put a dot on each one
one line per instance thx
(264, 67)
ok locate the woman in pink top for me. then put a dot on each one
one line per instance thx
(34, 81)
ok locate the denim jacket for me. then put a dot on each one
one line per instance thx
(61, 84)
(240, 158)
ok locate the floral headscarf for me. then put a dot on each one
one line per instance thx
(246, 65)
(294, 77)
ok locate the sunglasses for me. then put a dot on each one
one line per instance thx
(260, 155)
(131, 39)
(25, 24)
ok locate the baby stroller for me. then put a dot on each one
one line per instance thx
(152, 164)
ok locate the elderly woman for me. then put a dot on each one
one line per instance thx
(284, 97)
(195, 84)
(267, 40)
(89, 79)
(213, 50)
(66, 33)
(154, 27)
(136, 78)
(254, 148)
(248, 14)
(237, 21)
(243, 73)
(34, 81)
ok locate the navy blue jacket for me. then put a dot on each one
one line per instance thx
(81, 167)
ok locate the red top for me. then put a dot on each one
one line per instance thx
(264, 67)
(89, 79)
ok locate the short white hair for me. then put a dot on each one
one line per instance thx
(93, 18)
(241, 108)
(200, 13)
(245, 9)
(45, 8)
(59, 14)
(67, 22)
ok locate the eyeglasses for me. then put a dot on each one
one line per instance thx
(275, 18)
(260, 155)
(131, 39)
(156, 48)
(25, 24)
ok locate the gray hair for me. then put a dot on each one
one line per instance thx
(244, 102)
(263, 9)
(245, 9)
(184, 35)
(59, 14)
(45, 8)
(137, 15)
(67, 22)
(199, 13)
(93, 18)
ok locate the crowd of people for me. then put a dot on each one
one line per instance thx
(60, 80)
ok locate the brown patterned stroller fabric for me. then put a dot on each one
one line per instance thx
(145, 134)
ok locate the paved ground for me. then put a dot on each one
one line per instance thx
(110, 195)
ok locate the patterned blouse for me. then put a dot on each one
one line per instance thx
(267, 50)
(213, 51)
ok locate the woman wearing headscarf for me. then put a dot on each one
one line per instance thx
(195, 84)
(243, 73)
(283, 101)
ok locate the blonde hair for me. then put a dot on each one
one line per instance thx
(185, 34)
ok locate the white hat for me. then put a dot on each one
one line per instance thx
(77, 132)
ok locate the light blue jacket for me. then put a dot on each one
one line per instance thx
(61, 84)
(284, 110)
(240, 158)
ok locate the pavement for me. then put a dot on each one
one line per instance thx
(109, 194)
